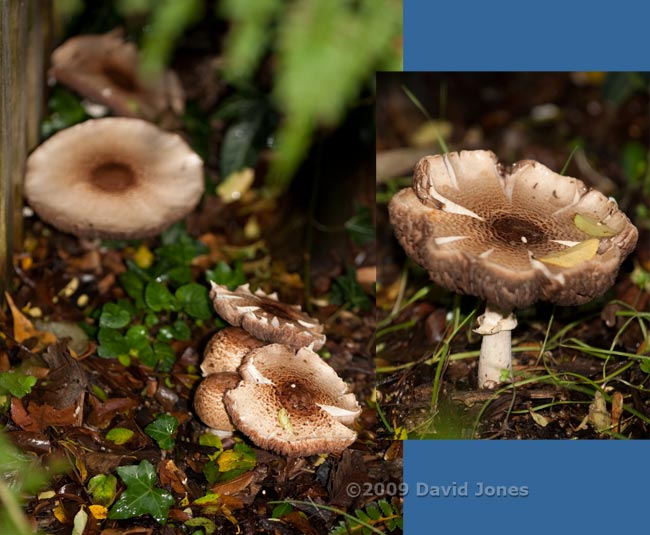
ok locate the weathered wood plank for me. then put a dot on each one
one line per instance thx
(23, 25)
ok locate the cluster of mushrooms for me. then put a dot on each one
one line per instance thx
(511, 236)
(114, 177)
(263, 378)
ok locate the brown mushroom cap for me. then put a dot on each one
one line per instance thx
(113, 178)
(104, 69)
(226, 350)
(266, 318)
(208, 401)
(510, 236)
(292, 403)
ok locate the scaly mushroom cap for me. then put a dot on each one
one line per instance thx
(113, 178)
(226, 350)
(209, 405)
(104, 69)
(266, 318)
(292, 403)
(510, 236)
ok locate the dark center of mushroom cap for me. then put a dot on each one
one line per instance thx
(517, 231)
(121, 78)
(296, 398)
(112, 177)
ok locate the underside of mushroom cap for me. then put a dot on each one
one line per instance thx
(104, 69)
(113, 178)
(225, 351)
(511, 236)
(266, 318)
(292, 403)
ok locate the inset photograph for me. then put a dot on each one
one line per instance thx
(513, 255)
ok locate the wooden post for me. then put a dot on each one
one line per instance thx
(23, 26)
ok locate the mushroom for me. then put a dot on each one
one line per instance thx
(113, 178)
(226, 350)
(292, 402)
(104, 69)
(266, 318)
(209, 404)
(510, 236)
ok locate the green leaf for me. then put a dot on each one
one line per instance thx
(194, 299)
(346, 291)
(111, 343)
(65, 111)
(234, 462)
(201, 522)
(115, 316)
(119, 435)
(164, 355)
(227, 276)
(102, 489)
(158, 297)
(137, 338)
(360, 227)
(238, 148)
(134, 287)
(162, 430)
(16, 383)
(281, 509)
(141, 495)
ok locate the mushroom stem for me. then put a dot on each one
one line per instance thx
(496, 348)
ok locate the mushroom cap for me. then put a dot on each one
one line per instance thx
(226, 350)
(113, 178)
(292, 402)
(208, 401)
(104, 69)
(510, 236)
(266, 318)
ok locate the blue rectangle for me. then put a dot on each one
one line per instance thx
(513, 35)
(532, 487)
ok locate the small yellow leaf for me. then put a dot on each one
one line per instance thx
(592, 227)
(285, 420)
(572, 256)
(59, 514)
(236, 184)
(98, 511)
(540, 420)
(143, 257)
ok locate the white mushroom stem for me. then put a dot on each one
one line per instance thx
(496, 348)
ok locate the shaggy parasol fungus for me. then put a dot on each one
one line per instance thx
(226, 350)
(113, 178)
(266, 318)
(292, 402)
(104, 69)
(209, 405)
(510, 236)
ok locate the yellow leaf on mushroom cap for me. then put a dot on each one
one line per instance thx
(572, 256)
(592, 227)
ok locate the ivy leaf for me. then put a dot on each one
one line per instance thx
(162, 430)
(193, 298)
(16, 383)
(115, 316)
(134, 287)
(346, 291)
(225, 275)
(158, 297)
(111, 343)
(141, 495)
(164, 355)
